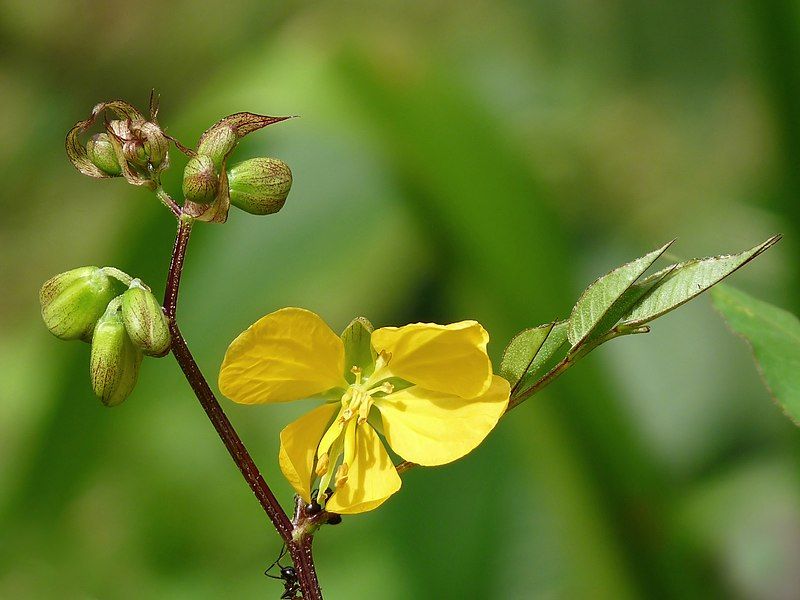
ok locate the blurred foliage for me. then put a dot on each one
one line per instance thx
(453, 160)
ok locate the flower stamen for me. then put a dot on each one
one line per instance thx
(339, 441)
(322, 465)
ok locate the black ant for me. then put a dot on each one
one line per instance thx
(288, 576)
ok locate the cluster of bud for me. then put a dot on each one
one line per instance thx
(133, 147)
(258, 186)
(84, 304)
(144, 145)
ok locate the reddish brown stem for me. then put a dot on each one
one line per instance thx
(300, 550)
(229, 436)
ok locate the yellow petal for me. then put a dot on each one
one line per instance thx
(299, 442)
(288, 355)
(371, 479)
(430, 428)
(445, 358)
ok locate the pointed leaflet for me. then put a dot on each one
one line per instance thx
(687, 280)
(632, 296)
(774, 337)
(601, 296)
(554, 342)
(521, 352)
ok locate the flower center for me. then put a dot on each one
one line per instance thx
(339, 441)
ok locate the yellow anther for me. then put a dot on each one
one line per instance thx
(322, 465)
(381, 371)
(383, 359)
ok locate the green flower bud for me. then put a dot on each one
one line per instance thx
(114, 362)
(217, 143)
(145, 321)
(260, 185)
(72, 302)
(200, 180)
(101, 153)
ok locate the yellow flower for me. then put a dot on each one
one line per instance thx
(427, 389)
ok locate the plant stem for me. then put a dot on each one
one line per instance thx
(547, 379)
(228, 435)
(300, 549)
(570, 359)
(167, 201)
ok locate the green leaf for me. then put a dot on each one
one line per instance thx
(687, 280)
(358, 347)
(553, 342)
(521, 352)
(632, 296)
(774, 337)
(598, 300)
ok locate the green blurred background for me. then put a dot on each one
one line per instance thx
(482, 159)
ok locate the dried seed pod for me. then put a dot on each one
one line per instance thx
(72, 302)
(145, 321)
(200, 180)
(115, 360)
(260, 185)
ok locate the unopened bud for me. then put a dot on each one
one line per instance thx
(101, 152)
(142, 142)
(72, 302)
(217, 143)
(260, 185)
(145, 321)
(200, 180)
(155, 144)
(114, 362)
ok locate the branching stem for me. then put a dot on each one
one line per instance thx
(299, 548)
